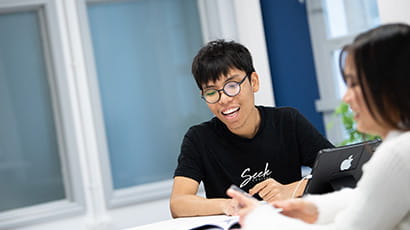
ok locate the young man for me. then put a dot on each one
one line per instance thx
(260, 149)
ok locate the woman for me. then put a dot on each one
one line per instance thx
(376, 69)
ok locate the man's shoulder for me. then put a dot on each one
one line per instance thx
(206, 126)
(279, 111)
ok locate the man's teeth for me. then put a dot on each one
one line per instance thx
(229, 111)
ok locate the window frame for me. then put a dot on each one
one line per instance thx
(63, 115)
(323, 48)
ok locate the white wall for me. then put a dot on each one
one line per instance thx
(394, 11)
(243, 23)
(251, 33)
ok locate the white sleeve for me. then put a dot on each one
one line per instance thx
(330, 204)
(380, 201)
(266, 217)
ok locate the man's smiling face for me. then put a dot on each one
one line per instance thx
(235, 112)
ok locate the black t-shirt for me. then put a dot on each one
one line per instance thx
(284, 142)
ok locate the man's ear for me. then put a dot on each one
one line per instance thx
(254, 82)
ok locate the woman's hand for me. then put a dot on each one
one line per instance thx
(298, 208)
(245, 204)
(295, 208)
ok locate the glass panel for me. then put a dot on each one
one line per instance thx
(348, 17)
(341, 86)
(30, 169)
(143, 51)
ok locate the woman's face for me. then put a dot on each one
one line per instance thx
(354, 97)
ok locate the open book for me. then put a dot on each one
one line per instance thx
(220, 222)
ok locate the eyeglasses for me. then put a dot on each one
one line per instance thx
(231, 89)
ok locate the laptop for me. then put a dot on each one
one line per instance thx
(340, 167)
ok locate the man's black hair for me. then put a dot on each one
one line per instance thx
(217, 58)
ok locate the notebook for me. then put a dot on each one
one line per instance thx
(220, 222)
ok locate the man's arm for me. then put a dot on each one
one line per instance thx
(184, 201)
(270, 190)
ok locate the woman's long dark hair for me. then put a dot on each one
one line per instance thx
(381, 57)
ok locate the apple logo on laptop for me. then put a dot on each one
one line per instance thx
(346, 164)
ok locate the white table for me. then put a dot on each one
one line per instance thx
(187, 223)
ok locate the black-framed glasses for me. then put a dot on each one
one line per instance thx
(231, 89)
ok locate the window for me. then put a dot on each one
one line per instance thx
(333, 24)
(36, 150)
(349, 17)
(143, 53)
(30, 161)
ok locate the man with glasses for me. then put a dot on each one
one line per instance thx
(259, 149)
